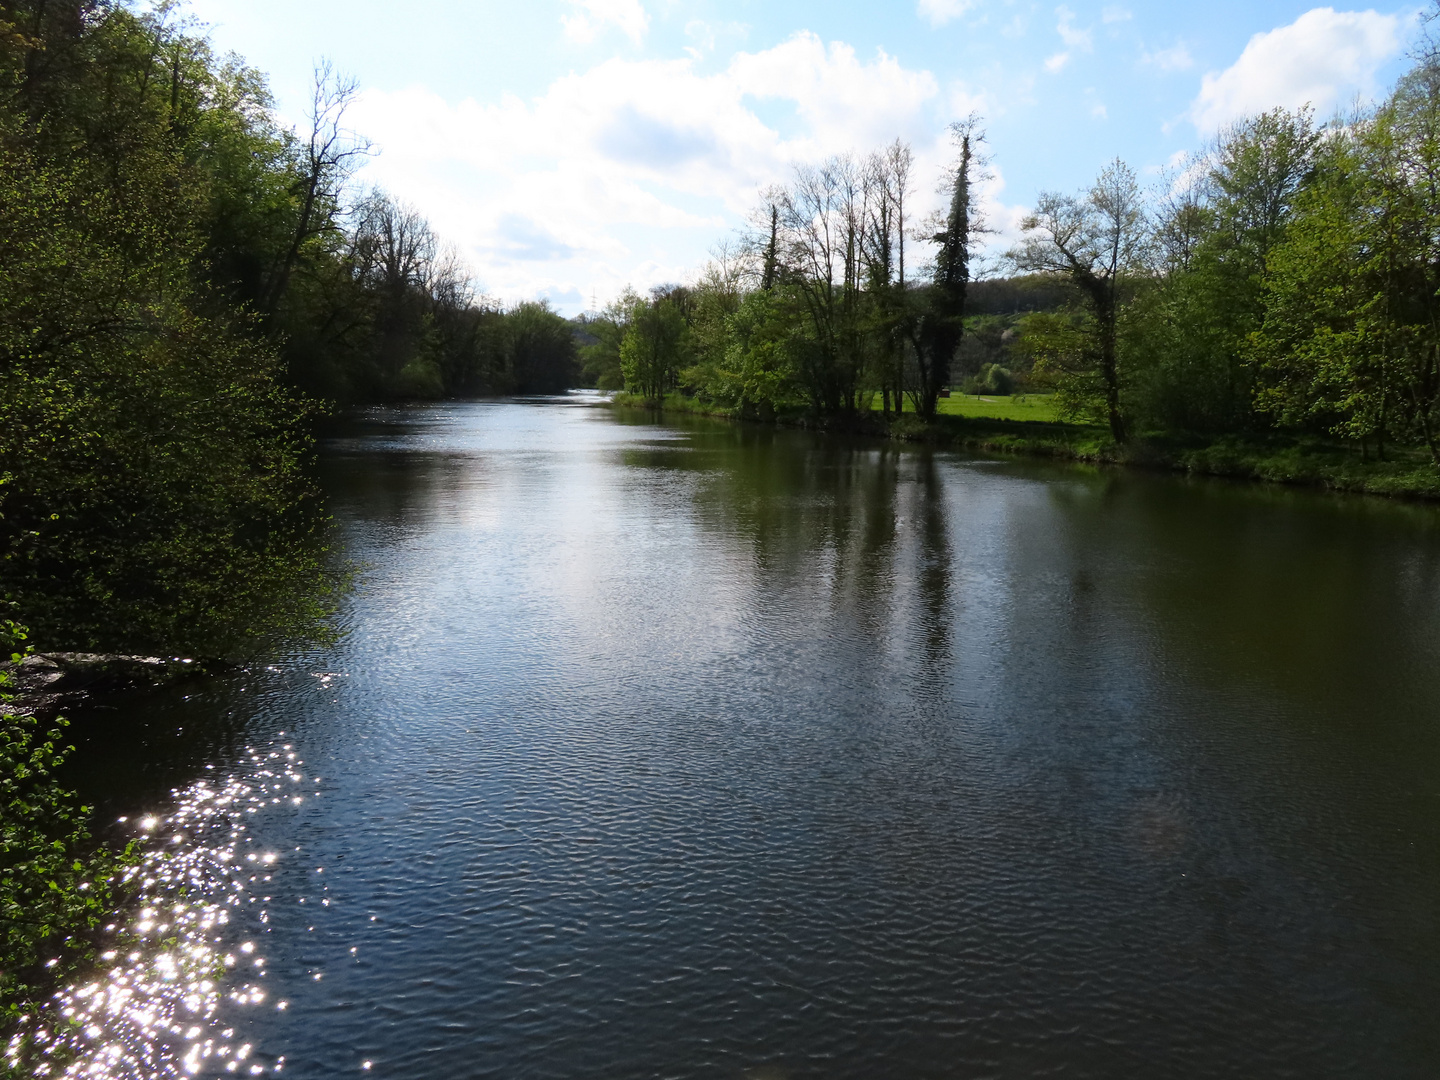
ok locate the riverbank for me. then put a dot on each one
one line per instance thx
(45, 684)
(1303, 461)
(60, 884)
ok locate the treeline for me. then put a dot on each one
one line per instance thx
(377, 309)
(185, 286)
(820, 307)
(1285, 280)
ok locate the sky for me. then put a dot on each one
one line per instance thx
(571, 148)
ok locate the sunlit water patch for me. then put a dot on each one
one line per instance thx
(186, 960)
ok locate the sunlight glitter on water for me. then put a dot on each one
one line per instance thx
(161, 1002)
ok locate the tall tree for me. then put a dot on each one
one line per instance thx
(1351, 338)
(653, 349)
(1098, 241)
(772, 251)
(888, 174)
(153, 493)
(822, 220)
(324, 164)
(540, 350)
(943, 323)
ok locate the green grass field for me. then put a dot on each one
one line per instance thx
(1019, 407)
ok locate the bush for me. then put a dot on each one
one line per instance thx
(56, 888)
(992, 379)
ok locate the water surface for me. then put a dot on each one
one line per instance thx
(712, 751)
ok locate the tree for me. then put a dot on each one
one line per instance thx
(323, 166)
(822, 217)
(540, 350)
(398, 262)
(756, 374)
(153, 495)
(1216, 227)
(1351, 338)
(1099, 242)
(942, 325)
(1259, 166)
(601, 355)
(56, 889)
(654, 347)
(1184, 334)
(1404, 151)
(772, 251)
(1317, 349)
(713, 301)
(888, 175)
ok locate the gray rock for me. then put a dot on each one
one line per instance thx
(44, 683)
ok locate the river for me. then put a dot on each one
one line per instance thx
(690, 749)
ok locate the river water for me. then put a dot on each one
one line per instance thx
(698, 750)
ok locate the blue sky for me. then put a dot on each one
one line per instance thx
(568, 148)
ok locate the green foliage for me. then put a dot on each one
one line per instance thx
(1287, 280)
(708, 308)
(600, 355)
(755, 374)
(1351, 339)
(1061, 348)
(379, 310)
(1185, 336)
(1316, 351)
(538, 349)
(154, 497)
(991, 379)
(1216, 233)
(57, 888)
(815, 312)
(654, 348)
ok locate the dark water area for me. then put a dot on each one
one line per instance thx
(698, 750)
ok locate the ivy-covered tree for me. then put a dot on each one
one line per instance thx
(942, 323)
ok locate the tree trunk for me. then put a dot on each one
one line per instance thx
(1106, 316)
(1112, 392)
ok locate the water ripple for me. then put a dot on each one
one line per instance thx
(184, 964)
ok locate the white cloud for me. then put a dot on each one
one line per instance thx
(939, 12)
(593, 16)
(1073, 37)
(1321, 56)
(1003, 221)
(1116, 14)
(1100, 112)
(1175, 58)
(628, 172)
(1057, 62)
(845, 102)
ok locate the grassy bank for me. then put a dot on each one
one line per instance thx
(1039, 407)
(1274, 458)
